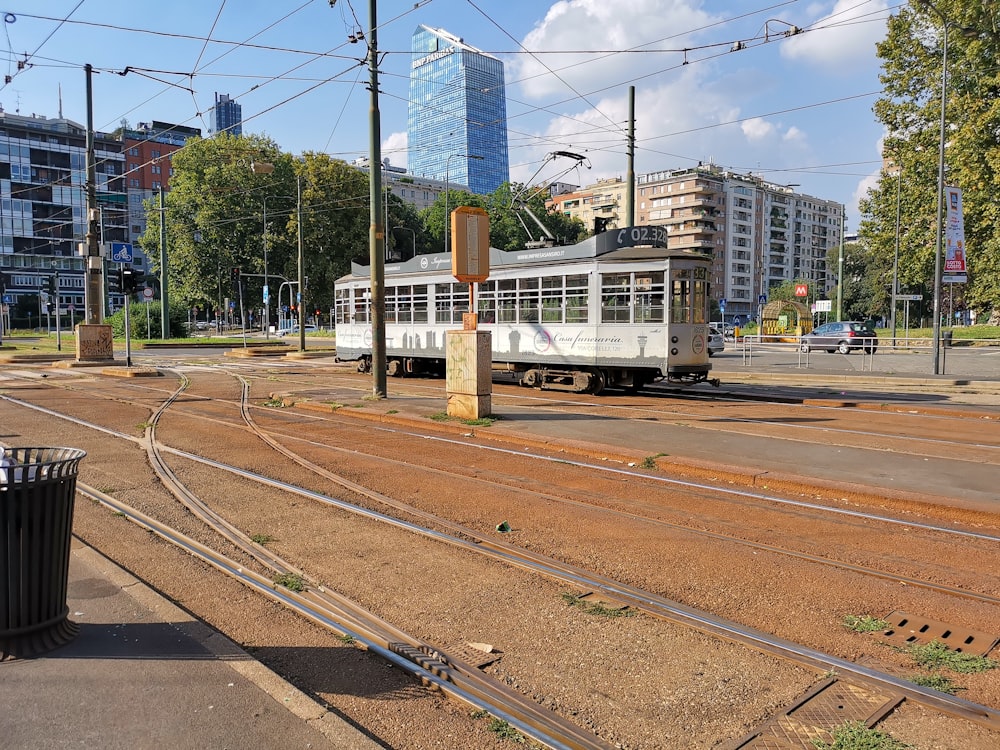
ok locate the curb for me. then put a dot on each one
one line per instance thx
(331, 726)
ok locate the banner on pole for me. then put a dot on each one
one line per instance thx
(954, 255)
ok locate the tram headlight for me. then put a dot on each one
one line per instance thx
(674, 352)
(674, 339)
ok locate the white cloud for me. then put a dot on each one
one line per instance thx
(756, 129)
(394, 148)
(794, 135)
(842, 40)
(601, 25)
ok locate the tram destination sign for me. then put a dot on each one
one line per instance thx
(631, 237)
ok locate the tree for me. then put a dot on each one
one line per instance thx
(507, 223)
(911, 111)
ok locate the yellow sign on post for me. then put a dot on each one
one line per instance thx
(470, 244)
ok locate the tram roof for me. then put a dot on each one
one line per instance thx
(630, 243)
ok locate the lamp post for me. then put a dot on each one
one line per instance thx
(302, 286)
(412, 232)
(447, 165)
(55, 286)
(267, 289)
(895, 256)
(945, 22)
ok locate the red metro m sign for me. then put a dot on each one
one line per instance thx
(801, 290)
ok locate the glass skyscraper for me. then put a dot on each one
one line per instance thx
(226, 116)
(458, 106)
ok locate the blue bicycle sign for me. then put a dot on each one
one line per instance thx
(121, 252)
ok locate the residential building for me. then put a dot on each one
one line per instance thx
(761, 234)
(43, 208)
(148, 150)
(457, 111)
(599, 206)
(226, 116)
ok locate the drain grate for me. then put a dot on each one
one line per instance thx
(906, 629)
(829, 705)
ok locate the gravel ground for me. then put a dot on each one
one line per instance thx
(638, 682)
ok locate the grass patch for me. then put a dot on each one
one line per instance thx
(119, 514)
(443, 416)
(935, 655)
(393, 411)
(854, 735)
(649, 462)
(596, 608)
(261, 538)
(334, 405)
(275, 403)
(291, 581)
(864, 623)
(347, 640)
(373, 397)
(143, 426)
(505, 731)
(936, 681)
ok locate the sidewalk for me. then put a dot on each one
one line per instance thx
(142, 674)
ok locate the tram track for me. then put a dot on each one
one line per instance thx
(637, 597)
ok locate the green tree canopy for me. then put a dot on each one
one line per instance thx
(910, 108)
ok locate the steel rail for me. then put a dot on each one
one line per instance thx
(645, 601)
(533, 720)
(345, 618)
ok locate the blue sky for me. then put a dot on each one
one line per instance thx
(793, 109)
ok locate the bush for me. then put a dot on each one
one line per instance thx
(137, 322)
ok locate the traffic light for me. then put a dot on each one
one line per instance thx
(51, 284)
(128, 280)
(3, 283)
(234, 276)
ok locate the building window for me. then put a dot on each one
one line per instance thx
(133, 182)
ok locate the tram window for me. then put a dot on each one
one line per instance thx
(442, 303)
(649, 297)
(420, 303)
(459, 301)
(390, 304)
(507, 301)
(404, 302)
(680, 297)
(527, 300)
(361, 305)
(577, 299)
(552, 299)
(343, 305)
(616, 297)
(700, 308)
(486, 302)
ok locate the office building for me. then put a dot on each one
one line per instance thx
(226, 116)
(148, 149)
(761, 234)
(600, 206)
(458, 108)
(43, 211)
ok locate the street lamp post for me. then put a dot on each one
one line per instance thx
(267, 288)
(302, 285)
(945, 23)
(895, 256)
(447, 165)
(55, 271)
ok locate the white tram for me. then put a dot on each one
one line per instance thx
(618, 309)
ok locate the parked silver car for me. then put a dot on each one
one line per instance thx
(716, 342)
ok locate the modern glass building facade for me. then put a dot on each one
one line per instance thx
(226, 116)
(458, 106)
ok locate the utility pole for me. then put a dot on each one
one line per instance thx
(95, 267)
(164, 302)
(630, 178)
(376, 234)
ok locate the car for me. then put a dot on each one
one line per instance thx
(716, 342)
(843, 336)
(294, 330)
(202, 325)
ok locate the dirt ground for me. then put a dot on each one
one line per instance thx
(636, 681)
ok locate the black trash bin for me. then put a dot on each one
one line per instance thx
(37, 490)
